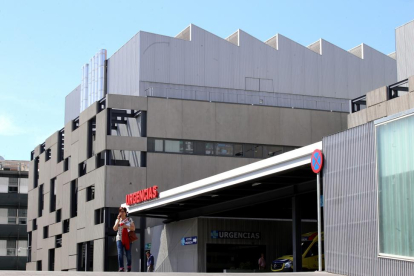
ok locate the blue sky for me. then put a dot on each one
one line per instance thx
(43, 44)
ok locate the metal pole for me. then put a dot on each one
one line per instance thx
(318, 188)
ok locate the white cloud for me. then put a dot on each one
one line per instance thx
(10, 128)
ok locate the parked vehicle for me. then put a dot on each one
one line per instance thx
(309, 247)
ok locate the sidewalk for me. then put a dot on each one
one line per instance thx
(79, 273)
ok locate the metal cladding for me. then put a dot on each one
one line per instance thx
(404, 37)
(93, 80)
(350, 206)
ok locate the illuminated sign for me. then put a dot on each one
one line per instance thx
(142, 196)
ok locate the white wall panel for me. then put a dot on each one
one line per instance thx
(328, 70)
(4, 184)
(409, 48)
(401, 53)
(341, 73)
(24, 185)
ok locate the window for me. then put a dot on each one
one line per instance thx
(73, 198)
(32, 155)
(48, 154)
(75, 124)
(395, 170)
(66, 165)
(253, 151)
(313, 251)
(13, 185)
(272, 151)
(34, 224)
(224, 149)
(41, 203)
(82, 169)
(85, 256)
(52, 195)
(174, 146)
(159, 145)
(59, 215)
(42, 148)
(11, 248)
(91, 137)
(29, 247)
(23, 216)
(100, 159)
(215, 148)
(36, 172)
(99, 216)
(238, 150)
(61, 145)
(125, 158)
(39, 265)
(51, 259)
(127, 123)
(90, 193)
(58, 241)
(11, 216)
(66, 225)
(46, 232)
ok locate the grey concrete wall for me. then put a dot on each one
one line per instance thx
(168, 171)
(170, 118)
(378, 106)
(350, 206)
(169, 254)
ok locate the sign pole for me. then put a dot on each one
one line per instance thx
(318, 184)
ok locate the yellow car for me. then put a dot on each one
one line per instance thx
(309, 247)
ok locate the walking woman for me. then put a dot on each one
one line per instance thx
(123, 225)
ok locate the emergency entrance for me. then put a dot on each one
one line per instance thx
(263, 208)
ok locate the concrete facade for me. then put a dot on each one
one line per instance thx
(166, 98)
(166, 119)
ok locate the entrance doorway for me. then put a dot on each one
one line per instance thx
(233, 257)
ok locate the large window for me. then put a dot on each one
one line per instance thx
(127, 122)
(215, 148)
(125, 158)
(395, 168)
(52, 193)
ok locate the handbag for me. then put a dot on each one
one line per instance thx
(132, 236)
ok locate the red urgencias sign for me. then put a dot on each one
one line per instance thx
(142, 196)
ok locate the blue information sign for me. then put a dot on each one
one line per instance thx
(188, 240)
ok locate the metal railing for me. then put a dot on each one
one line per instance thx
(395, 90)
(253, 98)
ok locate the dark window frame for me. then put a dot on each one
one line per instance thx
(73, 198)
(46, 232)
(90, 193)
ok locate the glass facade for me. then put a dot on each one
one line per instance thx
(215, 148)
(395, 168)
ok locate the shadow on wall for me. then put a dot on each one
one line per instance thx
(170, 255)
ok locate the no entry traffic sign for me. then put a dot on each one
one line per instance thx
(316, 161)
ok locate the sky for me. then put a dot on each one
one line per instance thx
(43, 44)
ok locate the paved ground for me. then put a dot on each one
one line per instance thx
(77, 273)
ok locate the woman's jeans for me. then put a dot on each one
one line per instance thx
(121, 249)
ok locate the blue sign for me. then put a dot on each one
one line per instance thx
(188, 240)
(316, 161)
